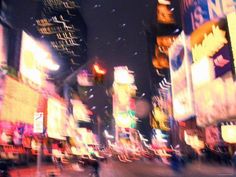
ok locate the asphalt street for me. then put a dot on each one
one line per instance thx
(134, 169)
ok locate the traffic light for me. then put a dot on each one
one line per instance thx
(98, 73)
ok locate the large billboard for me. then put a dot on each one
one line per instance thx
(30, 53)
(210, 40)
(180, 60)
(197, 12)
(20, 102)
(35, 61)
(215, 101)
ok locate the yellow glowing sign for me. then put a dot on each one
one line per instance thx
(80, 112)
(193, 141)
(20, 102)
(211, 43)
(34, 60)
(228, 133)
(123, 120)
(56, 119)
(161, 118)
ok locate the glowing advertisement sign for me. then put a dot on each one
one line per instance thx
(210, 41)
(80, 111)
(56, 119)
(20, 102)
(228, 133)
(28, 60)
(194, 14)
(215, 101)
(231, 19)
(180, 60)
(164, 13)
(197, 12)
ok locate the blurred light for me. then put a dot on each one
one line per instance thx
(91, 96)
(202, 72)
(176, 31)
(143, 94)
(165, 81)
(164, 2)
(94, 107)
(98, 69)
(123, 76)
(229, 133)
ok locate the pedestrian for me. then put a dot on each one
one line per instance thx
(96, 166)
(234, 162)
(175, 162)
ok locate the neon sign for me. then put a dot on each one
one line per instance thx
(210, 44)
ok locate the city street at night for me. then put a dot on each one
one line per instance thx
(117, 88)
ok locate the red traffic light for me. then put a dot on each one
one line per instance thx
(98, 70)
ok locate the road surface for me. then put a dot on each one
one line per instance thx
(134, 169)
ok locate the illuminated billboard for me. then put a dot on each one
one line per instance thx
(180, 60)
(164, 14)
(35, 60)
(228, 133)
(20, 102)
(197, 12)
(57, 118)
(210, 41)
(80, 112)
(161, 60)
(215, 101)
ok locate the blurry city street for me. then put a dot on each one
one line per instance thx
(117, 88)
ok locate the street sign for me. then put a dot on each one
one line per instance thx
(38, 122)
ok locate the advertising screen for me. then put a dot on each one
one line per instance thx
(57, 118)
(30, 53)
(210, 40)
(197, 12)
(180, 60)
(20, 102)
(215, 101)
